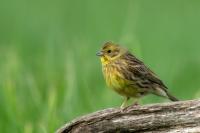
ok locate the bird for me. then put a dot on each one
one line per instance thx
(128, 76)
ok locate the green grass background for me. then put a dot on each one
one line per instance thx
(49, 73)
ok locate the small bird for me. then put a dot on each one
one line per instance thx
(129, 76)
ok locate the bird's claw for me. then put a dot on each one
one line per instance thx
(123, 109)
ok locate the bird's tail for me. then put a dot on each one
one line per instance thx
(171, 97)
(164, 93)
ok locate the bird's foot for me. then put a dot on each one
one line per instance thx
(123, 109)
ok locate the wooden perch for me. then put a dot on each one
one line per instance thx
(173, 117)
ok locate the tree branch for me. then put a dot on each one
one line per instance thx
(173, 117)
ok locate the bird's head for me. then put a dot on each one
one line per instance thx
(109, 52)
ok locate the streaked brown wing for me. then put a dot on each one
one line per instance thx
(140, 74)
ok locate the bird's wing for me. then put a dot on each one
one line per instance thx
(141, 74)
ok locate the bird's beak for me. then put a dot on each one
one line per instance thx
(100, 53)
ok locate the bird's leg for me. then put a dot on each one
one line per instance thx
(135, 104)
(124, 107)
(124, 103)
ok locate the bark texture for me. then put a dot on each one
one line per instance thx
(174, 117)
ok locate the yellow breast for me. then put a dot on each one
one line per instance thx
(113, 78)
(116, 81)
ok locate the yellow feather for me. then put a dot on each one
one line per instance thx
(116, 81)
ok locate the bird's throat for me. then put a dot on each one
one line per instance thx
(104, 60)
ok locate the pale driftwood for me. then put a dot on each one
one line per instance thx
(174, 117)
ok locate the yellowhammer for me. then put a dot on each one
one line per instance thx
(129, 76)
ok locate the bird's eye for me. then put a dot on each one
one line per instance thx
(109, 51)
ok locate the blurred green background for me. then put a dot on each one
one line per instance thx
(49, 73)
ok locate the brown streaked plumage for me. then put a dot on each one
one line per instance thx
(129, 76)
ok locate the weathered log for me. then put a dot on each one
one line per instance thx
(173, 117)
